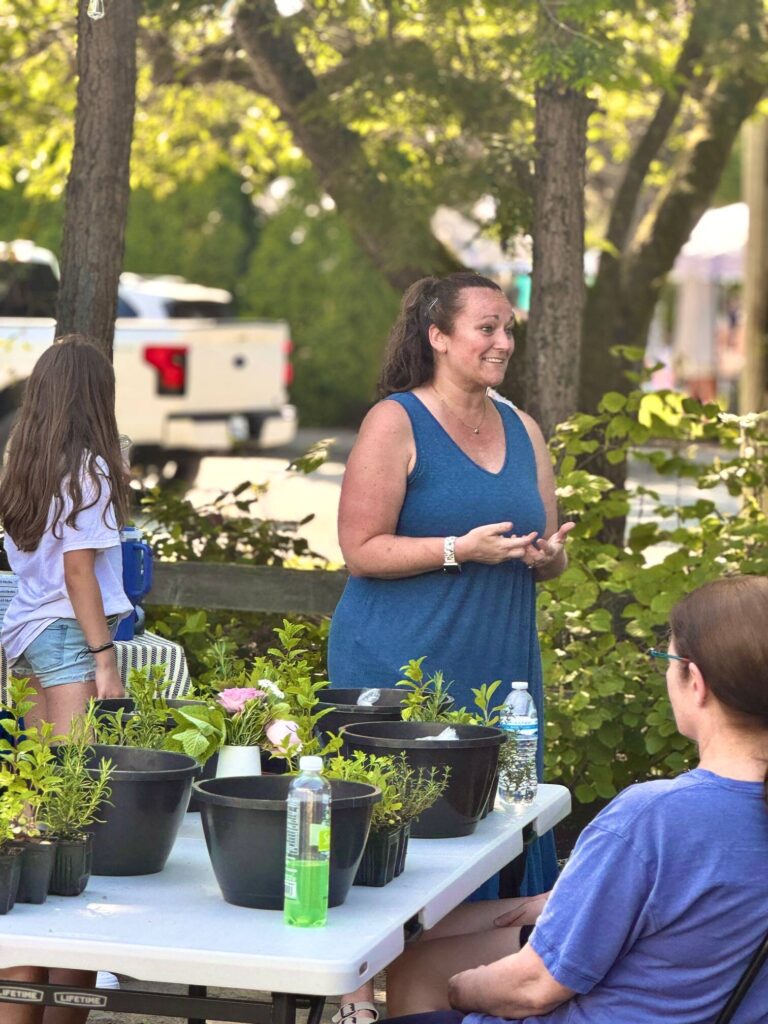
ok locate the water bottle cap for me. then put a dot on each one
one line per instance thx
(519, 685)
(310, 763)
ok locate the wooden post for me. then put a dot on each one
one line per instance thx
(753, 384)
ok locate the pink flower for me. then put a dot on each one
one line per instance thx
(236, 697)
(282, 734)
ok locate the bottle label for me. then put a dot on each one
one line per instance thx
(320, 837)
(524, 729)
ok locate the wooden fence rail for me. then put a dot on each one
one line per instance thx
(245, 588)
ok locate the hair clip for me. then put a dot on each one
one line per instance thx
(432, 305)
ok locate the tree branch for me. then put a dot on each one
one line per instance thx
(397, 239)
(625, 202)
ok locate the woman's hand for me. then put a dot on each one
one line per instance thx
(492, 544)
(549, 551)
(525, 910)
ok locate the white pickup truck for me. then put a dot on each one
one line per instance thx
(188, 382)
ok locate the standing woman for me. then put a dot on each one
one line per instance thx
(448, 515)
(63, 499)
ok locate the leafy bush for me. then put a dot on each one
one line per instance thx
(608, 719)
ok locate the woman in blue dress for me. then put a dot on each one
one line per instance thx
(447, 518)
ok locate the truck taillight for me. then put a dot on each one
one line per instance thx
(170, 361)
(287, 364)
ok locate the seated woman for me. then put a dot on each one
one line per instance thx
(663, 902)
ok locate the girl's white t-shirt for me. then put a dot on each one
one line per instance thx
(42, 596)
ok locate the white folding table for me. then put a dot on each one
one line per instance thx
(175, 927)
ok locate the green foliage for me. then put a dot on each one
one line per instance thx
(308, 270)
(199, 732)
(428, 698)
(27, 761)
(292, 667)
(146, 725)
(406, 792)
(226, 529)
(75, 803)
(608, 720)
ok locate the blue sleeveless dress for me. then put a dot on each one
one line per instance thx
(476, 626)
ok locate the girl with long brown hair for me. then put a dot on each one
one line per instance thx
(63, 499)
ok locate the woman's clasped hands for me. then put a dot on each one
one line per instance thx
(495, 543)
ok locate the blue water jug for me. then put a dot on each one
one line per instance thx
(137, 579)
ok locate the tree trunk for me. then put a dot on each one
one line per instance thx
(98, 186)
(557, 292)
(396, 237)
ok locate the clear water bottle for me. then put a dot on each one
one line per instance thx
(308, 846)
(517, 758)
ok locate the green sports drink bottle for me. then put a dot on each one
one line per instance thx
(308, 846)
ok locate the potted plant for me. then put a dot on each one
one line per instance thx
(244, 822)
(150, 784)
(27, 768)
(73, 807)
(10, 855)
(433, 734)
(406, 793)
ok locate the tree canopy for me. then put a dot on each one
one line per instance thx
(396, 107)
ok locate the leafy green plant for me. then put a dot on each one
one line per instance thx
(427, 698)
(227, 529)
(146, 725)
(199, 732)
(27, 759)
(74, 804)
(406, 792)
(608, 720)
(290, 667)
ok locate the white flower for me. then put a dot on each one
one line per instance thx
(270, 687)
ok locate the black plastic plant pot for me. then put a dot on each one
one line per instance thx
(106, 706)
(344, 709)
(37, 860)
(491, 801)
(244, 820)
(204, 771)
(472, 759)
(402, 849)
(10, 872)
(150, 794)
(72, 866)
(379, 860)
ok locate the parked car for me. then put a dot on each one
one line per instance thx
(190, 380)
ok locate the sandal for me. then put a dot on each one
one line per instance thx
(347, 1014)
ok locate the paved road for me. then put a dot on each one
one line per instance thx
(291, 496)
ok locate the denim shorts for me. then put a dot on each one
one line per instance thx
(58, 655)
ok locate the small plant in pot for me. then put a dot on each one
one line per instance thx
(73, 807)
(27, 768)
(406, 793)
(11, 805)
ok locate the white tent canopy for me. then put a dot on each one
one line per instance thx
(716, 249)
(712, 257)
